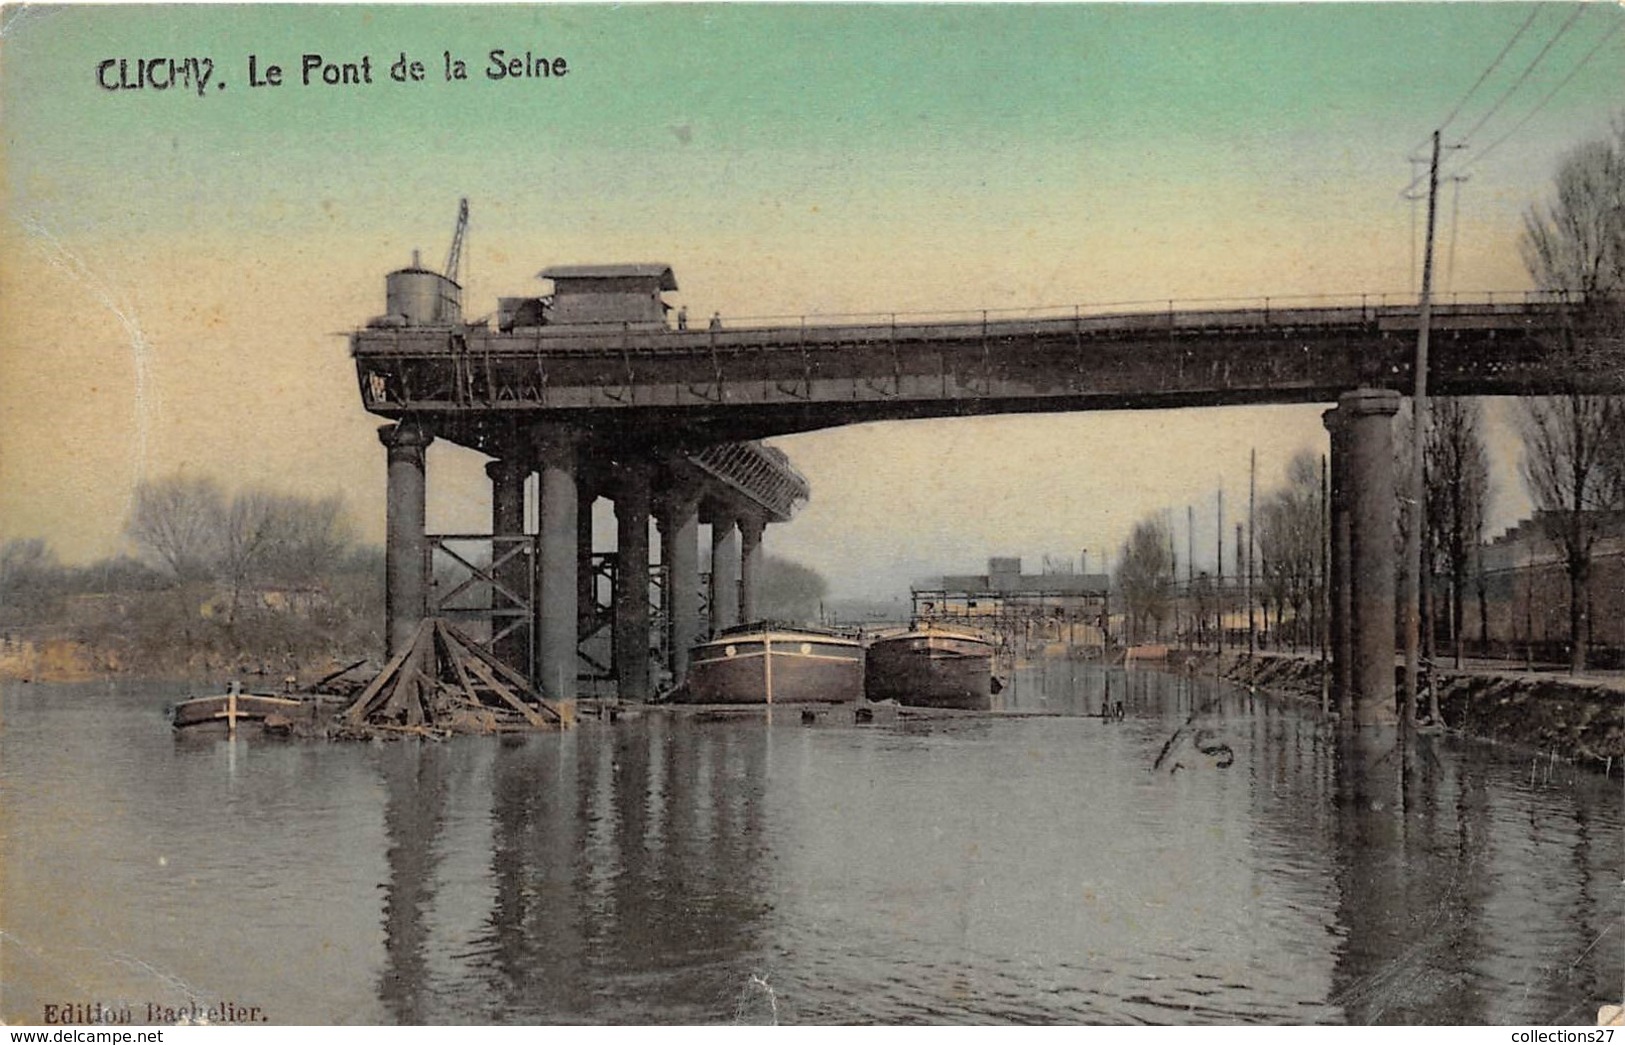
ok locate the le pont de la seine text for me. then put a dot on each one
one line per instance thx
(200, 74)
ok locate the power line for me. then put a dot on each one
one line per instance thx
(1530, 68)
(1542, 103)
(1506, 95)
(1527, 22)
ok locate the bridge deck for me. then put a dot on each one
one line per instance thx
(749, 381)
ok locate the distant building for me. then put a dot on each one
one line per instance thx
(1062, 607)
(1526, 591)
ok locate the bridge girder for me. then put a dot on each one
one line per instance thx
(705, 387)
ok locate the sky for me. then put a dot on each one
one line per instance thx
(178, 268)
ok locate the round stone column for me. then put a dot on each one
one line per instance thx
(632, 580)
(1368, 420)
(508, 520)
(724, 572)
(406, 551)
(680, 551)
(556, 600)
(751, 555)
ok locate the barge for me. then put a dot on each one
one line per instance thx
(931, 667)
(765, 663)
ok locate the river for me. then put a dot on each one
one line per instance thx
(665, 869)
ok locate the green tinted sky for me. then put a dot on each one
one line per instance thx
(969, 103)
(182, 262)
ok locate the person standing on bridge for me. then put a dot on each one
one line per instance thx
(682, 318)
(716, 321)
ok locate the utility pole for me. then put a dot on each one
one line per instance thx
(1418, 492)
(1173, 570)
(1241, 557)
(1218, 541)
(1190, 575)
(1252, 504)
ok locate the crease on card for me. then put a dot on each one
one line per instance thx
(60, 257)
(14, 16)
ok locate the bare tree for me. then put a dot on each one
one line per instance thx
(1289, 546)
(176, 523)
(250, 526)
(1576, 243)
(31, 578)
(308, 539)
(1566, 440)
(1458, 492)
(1145, 577)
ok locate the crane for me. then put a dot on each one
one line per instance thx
(454, 256)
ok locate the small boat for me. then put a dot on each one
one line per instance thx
(230, 709)
(933, 667)
(766, 663)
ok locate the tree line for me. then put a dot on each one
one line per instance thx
(257, 578)
(252, 578)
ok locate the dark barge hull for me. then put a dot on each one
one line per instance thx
(930, 669)
(774, 667)
(251, 708)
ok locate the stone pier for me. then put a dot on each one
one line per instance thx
(556, 606)
(751, 556)
(632, 493)
(507, 475)
(406, 553)
(1365, 417)
(724, 571)
(679, 550)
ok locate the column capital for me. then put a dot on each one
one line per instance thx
(505, 468)
(677, 499)
(722, 519)
(406, 435)
(555, 442)
(1366, 402)
(751, 525)
(632, 477)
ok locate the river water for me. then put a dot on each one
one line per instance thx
(666, 869)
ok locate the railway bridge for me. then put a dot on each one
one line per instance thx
(596, 390)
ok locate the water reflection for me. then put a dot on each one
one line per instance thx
(611, 902)
(1026, 868)
(1460, 902)
(414, 779)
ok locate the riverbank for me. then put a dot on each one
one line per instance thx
(59, 659)
(1582, 720)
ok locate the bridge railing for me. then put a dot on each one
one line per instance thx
(1371, 305)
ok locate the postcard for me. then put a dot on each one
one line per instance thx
(817, 514)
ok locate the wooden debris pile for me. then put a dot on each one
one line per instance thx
(346, 682)
(442, 683)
